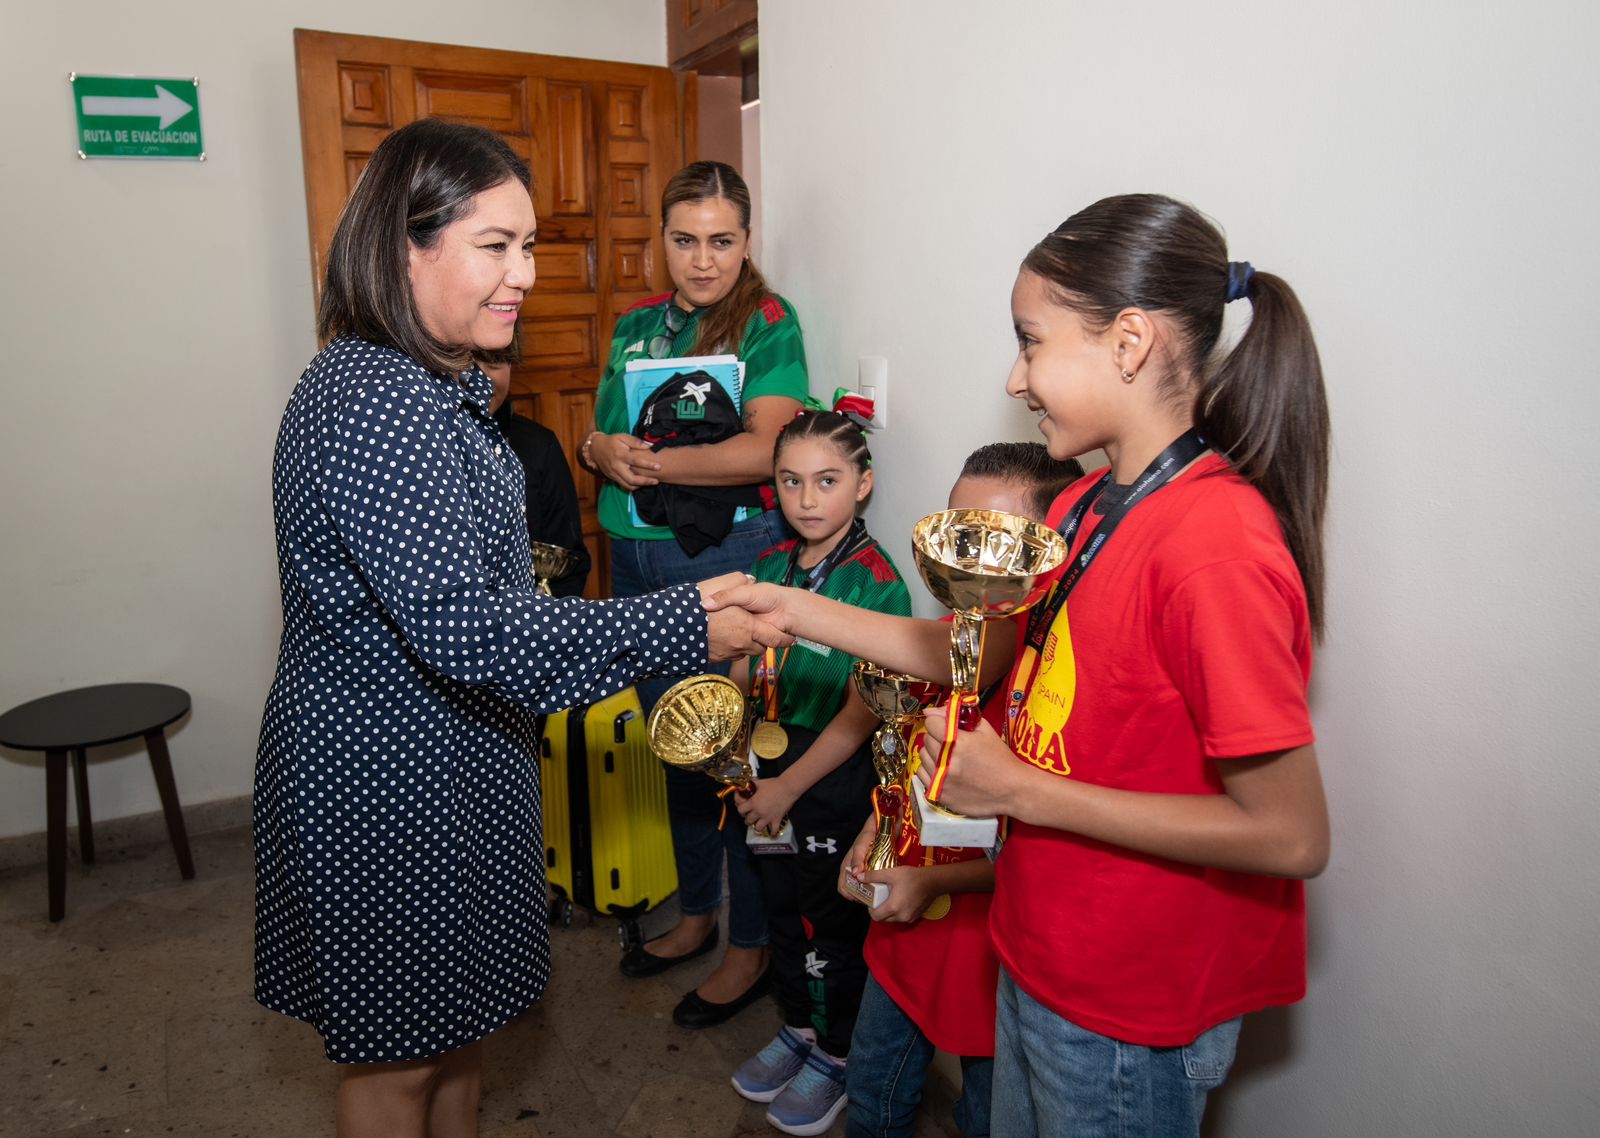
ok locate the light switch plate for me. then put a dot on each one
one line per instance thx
(872, 380)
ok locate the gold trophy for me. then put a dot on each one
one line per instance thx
(703, 724)
(981, 564)
(896, 699)
(550, 562)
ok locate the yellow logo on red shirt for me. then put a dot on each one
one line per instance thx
(1044, 688)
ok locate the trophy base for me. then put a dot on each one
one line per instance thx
(938, 828)
(762, 845)
(869, 893)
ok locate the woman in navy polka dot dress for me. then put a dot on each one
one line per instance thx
(400, 892)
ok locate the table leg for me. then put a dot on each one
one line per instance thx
(161, 765)
(80, 785)
(55, 795)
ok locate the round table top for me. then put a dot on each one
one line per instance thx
(88, 717)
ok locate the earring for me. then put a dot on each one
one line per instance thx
(1128, 376)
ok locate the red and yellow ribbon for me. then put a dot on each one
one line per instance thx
(723, 794)
(767, 681)
(956, 714)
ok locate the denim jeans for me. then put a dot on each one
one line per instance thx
(692, 804)
(1055, 1078)
(889, 1059)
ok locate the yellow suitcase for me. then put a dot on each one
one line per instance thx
(607, 843)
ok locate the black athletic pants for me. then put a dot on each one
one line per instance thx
(816, 934)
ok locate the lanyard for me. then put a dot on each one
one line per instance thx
(1184, 449)
(854, 540)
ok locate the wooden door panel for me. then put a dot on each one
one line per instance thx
(364, 96)
(632, 264)
(499, 102)
(565, 266)
(601, 139)
(560, 342)
(571, 144)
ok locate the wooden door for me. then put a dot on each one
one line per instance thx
(601, 138)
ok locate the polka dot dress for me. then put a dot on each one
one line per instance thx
(400, 895)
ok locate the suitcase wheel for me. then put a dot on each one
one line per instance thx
(629, 935)
(561, 910)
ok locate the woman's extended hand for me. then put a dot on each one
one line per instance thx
(711, 586)
(984, 774)
(768, 805)
(624, 459)
(772, 603)
(734, 633)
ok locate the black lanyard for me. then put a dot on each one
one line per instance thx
(1184, 449)
(854, 540)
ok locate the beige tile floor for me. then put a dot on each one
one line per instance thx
(133, 1016)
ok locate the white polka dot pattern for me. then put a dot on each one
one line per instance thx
(400, 892)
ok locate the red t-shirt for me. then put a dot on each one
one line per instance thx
(943, 973)
(1193, 645)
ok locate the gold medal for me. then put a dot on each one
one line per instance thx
(937, 908)
(769, 740)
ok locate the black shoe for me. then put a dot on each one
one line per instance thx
(694, 1012)
(637, 963)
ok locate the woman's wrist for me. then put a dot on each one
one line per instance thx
(584, 451)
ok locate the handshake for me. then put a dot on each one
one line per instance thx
(744, 617)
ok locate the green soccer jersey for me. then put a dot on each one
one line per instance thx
(813, 679)
(774, 356)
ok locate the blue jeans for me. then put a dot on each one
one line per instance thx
(692, 804)
(889, 1058)
(1053, 1077)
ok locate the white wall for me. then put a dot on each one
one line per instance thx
(155, 316)
(1426, 176)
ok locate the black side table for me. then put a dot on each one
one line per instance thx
(72, 721)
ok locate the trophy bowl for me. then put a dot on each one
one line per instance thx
(980, 564)
(985, 562)
(701, 724)
(896, 699)
(892, 696)
(550, 562)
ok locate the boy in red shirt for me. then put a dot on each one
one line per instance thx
(933, 970)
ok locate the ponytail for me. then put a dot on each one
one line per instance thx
(722, 326)
(1263, 405)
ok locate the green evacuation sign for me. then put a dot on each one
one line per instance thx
(120, 117)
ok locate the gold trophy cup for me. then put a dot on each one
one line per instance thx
(550, 562)
(703, 724)
(896, 699)
(981, 564)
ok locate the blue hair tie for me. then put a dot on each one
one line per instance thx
(1240, 274)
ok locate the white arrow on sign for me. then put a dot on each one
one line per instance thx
(164, 104)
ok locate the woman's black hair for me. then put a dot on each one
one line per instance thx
(419, 180)
(1262, 405)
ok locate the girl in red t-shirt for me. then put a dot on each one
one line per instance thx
(1157, 764)
(932, 968)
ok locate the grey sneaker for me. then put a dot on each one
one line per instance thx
(813, 1098)
(761, 1077)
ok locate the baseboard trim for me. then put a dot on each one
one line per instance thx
(23, 850)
